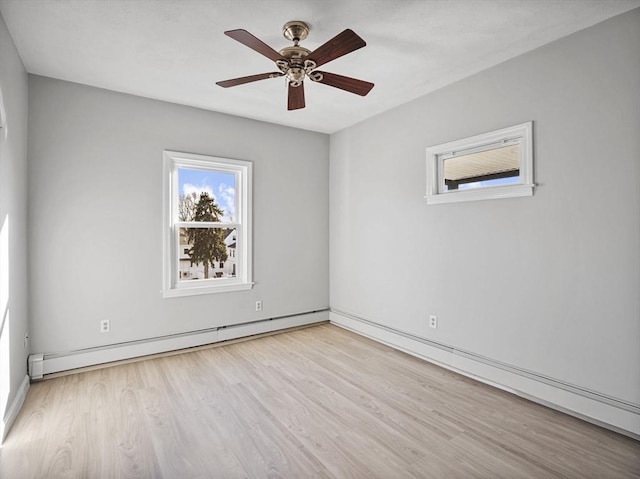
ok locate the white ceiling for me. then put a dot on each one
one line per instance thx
(175, 50)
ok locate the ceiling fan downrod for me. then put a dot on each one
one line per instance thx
(296, 68)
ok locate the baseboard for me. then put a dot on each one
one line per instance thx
(612, 413)
(50, 363)
(12, 412)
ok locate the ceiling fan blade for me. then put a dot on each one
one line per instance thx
(340, 45)
(353, 85)
(254, 43)
(249, 79)
(296, 97)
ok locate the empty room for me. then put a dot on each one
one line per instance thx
(337, 239)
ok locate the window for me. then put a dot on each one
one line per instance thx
(207, 220)
(498, 164)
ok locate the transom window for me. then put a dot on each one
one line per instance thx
(207, 224)
(498, 164)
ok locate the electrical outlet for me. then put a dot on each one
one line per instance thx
(258, 305)
(105, 326)
(433, 321)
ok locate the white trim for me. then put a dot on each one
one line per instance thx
(228, 287)
(606, 411)
(243, 171)
(68, 360)
(12, 412)
(522, 133)
(488, 193)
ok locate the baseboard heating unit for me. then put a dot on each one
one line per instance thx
(43, 364)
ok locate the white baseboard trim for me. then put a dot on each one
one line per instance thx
(605, 411)
(49, 363)
(12, 412)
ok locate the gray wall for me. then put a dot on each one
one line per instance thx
(13, 210)
(95, 216)
(549, 283)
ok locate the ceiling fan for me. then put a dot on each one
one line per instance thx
(297, 63)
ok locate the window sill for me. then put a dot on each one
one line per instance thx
(206, 289)
(480, 194)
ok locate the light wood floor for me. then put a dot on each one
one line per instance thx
(317, 402)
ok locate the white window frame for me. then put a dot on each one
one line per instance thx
(172, 287)
(521, 134)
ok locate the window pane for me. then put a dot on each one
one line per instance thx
(206, 195)
(493, 167)
(206, 253)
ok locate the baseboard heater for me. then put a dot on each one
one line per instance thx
(602, 409)
(49, 363)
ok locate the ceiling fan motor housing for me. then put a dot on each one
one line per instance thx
(294, 53)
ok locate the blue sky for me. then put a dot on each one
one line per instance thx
(219, 185)
(482, 184)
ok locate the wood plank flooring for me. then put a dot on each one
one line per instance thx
(317, 402)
